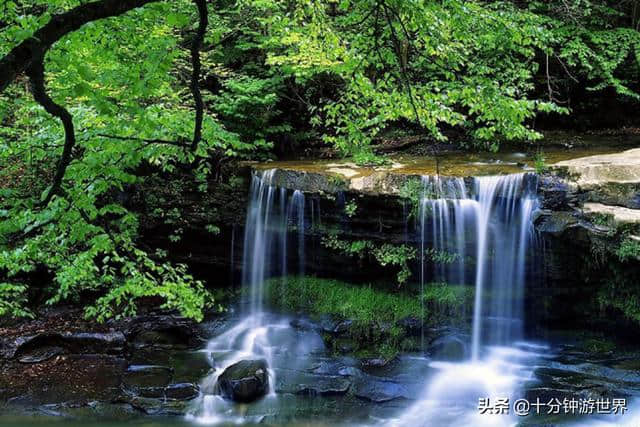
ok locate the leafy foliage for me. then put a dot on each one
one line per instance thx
(276, 76)
(629, 249)
(397, 256)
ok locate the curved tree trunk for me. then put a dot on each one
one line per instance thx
(38, 89)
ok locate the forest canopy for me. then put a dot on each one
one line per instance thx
(97, 96)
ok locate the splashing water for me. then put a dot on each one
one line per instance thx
(495, 225)
(272, 212)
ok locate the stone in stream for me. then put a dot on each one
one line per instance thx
(378, 389)
(449, 347)
(245, 381)
(179, 391)
(145, 376)
(310, 383)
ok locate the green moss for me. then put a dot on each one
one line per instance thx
(324, 296)
(448, 303)
(598, 345)
(374, 313)
(603, 219)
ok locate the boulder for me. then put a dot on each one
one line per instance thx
(161, 330)
(451, 347)
(245, 381)
(40, 347)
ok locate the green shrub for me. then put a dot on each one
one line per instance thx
(629, 249)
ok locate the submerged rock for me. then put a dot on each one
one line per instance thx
(308, 384)
(143, 376)
(245, 381)
(376, 389)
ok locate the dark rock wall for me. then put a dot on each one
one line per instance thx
(563, 274)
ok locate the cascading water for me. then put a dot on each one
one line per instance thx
(494, 226)
(478, 238)
(272, 212)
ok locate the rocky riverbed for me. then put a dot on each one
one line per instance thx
(152, 368)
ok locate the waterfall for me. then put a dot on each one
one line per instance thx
(504, 236)
(492, 225)
(272, 214)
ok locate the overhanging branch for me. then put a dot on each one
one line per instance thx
(21, 57)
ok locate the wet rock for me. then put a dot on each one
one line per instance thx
(349, 371)
(327, 324)
(41, 354)
(188, 366)
(245, 381)
(182, 391)
(345, 345)
(39, 346)
(342, 366)
(305, 325)
(151, 406)
(144, 376)
(343, 327)
(377, 362)
(378, 390)
(166, 331)
(555, 193)
(411, 325)
(92, 342)
(556, 223)
(302, 383)
(449, 347)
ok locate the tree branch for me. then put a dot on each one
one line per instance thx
(34, 48)
(38, 89)
(177, 143)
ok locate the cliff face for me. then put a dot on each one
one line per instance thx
(588, 208)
